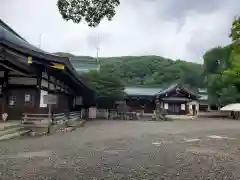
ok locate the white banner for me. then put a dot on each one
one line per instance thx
(165, 105)
(43, 93)
(183, 106)
(92, 113)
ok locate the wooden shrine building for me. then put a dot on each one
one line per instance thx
(174, 99)
(177, 100)
(27, 73)
(141, 98)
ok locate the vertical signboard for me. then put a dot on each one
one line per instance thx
(43, 93)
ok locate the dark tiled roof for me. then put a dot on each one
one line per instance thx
(173, 87)
(11, 39)
(2, 24)
(155, 91)
(175, 99)
(142, 91)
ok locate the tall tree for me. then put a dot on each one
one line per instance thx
(90, 11)
(106, 85)
(233, 73)
(222, 70)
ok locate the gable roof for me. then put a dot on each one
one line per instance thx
(155, 91)
(173, 88)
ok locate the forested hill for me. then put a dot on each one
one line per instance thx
(150, 70)
(153, 70)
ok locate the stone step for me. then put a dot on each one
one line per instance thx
(9, 125)
(13, 135)
(76, 123)
(39, 125)
(10, 130)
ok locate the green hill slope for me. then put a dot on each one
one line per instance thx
(151, 70)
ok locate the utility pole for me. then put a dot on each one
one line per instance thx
(40, 40)
(97, 48)
(98, 53)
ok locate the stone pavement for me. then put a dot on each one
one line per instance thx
(202, 149)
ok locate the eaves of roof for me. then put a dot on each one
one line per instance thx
(11, 39)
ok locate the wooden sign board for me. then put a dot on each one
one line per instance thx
(50, 99)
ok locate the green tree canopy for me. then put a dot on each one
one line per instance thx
(106, 85)
(90, 11)
(233, 73)
(153, 70)
(222, 70)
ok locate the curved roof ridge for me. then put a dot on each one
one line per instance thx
(7, 27)
(11, 39)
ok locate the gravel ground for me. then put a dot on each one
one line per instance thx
(197, 149)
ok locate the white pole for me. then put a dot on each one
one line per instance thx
(97, 48)
(40, 40)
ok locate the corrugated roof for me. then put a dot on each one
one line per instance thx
(142, 91)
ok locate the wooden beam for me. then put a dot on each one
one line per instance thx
(38, 91)
(5, 92)
(10, 68)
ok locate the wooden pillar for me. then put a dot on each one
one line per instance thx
(50, 111)
(38, 92)
(5, 92)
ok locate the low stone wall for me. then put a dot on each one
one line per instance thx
(214, 114)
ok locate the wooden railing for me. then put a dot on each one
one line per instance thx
(28, 117)
(74, 116)
(59, 117)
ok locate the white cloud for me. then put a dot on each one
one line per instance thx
(141, 27)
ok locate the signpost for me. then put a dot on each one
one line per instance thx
(50, 100)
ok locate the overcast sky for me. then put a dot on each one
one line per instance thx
(178, 29)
